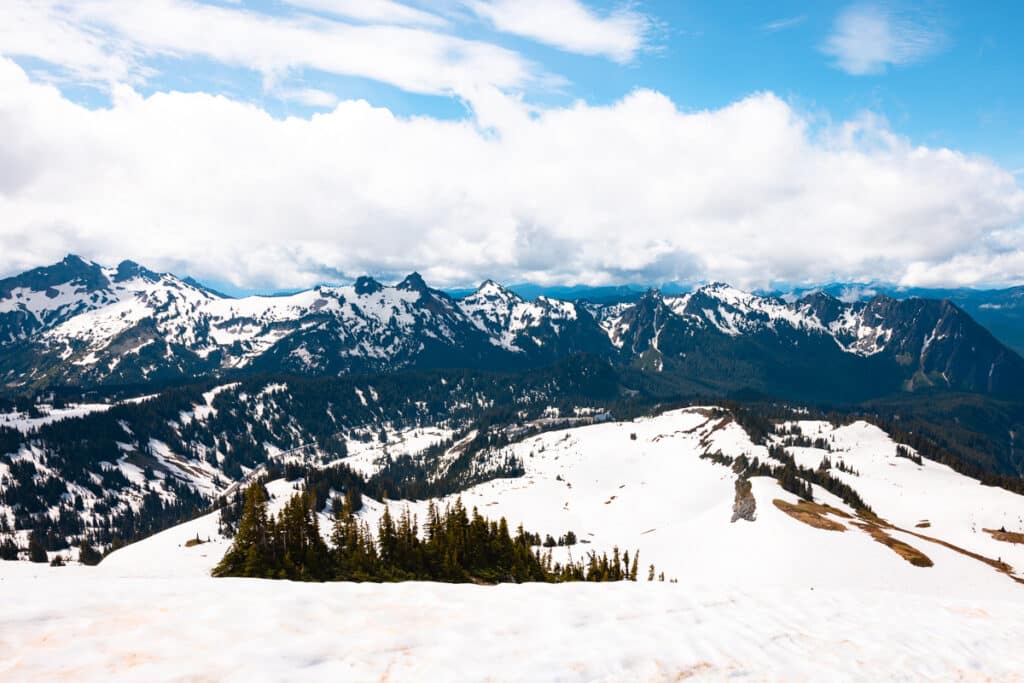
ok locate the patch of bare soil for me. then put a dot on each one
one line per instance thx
(998, 565)
(904, 550)
(1005, 536)
(811, 514)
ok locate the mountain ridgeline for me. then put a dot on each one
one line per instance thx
(79, 324)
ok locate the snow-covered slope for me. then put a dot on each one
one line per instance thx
(768, 598)
(656, 494)
(644, 486)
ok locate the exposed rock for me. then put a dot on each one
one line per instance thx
(744, 506)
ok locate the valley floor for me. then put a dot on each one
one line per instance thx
(80, 624)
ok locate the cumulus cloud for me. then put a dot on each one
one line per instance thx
(752, 193)
(569, 25)
(866, 39)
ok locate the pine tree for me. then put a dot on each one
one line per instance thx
(88, 555)
(36, 550)
(8, 550)
(456, 546)
(250, 553)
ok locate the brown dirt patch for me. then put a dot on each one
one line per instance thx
(904, 550)
(998, 565)
(1005, 536)
(811, 514)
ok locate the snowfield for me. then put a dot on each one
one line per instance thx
(73, 624)
(775, 598)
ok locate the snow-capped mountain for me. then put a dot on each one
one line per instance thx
(78, 323)
(542, 328)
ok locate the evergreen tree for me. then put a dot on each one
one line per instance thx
(250, 554)
(88, 555)
(8, 550)
(456, 546)
(36, 549)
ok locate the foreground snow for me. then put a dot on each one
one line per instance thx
(94, 627)
(772, 598)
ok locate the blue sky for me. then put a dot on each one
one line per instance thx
(914, 110)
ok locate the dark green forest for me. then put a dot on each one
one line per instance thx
(454, 545)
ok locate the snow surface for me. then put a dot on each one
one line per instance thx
(368, 457)
(657, 495)
(955, 508)
(771, 599)
(22, 422)
(91, 627)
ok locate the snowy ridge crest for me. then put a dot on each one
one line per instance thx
(83, 323)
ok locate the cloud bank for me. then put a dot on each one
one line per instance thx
(640, 190)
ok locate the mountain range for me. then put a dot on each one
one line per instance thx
(77, 323)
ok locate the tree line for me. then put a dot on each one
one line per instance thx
(454, 545)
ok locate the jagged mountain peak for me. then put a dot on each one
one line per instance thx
(819, 295)
(71, 269)
(413, 282)
(75, 260)
(127, 270)
(652, 294)
(495, 291)
(129, 324)
(731, 295)
(365, 284)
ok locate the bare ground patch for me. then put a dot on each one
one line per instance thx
(881, 524)
(812, 514)
(998, 565)
(1005, 536)
(904, 550)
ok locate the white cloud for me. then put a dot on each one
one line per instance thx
(868, 38)
(751, 193)
(856, 293)
(310, 97)
(783, 24)
(380, 11)
(44, 31)
(113, 40)
(569, 25)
